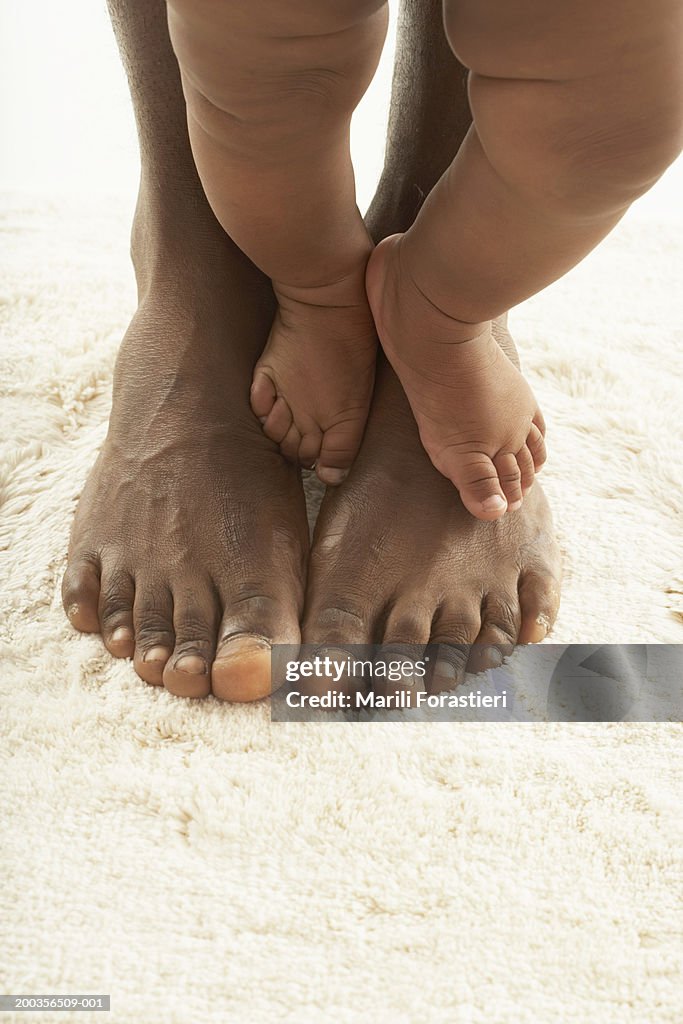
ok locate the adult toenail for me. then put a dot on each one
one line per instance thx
(444, 670)
(191, 664)
(242, 646)
(544, 622)
(157, 654)
(73, 611)
(262, 419)
(331, 476)
(493, 656)
(494, 504)
(121, 634)
(514, 506)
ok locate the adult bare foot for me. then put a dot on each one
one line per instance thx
(397, 559)
(189, 546)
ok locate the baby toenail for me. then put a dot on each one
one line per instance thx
(157, 654)
(191, 664)
(493, 504)
(331, 476)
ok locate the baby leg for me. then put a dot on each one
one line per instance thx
(270, 89)
(577, 110)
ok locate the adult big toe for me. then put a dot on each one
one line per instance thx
(185, 521)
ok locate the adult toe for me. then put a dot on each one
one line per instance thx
(251, 626)
(117, 596)
(453, 632)
(154, 635)
(539, 598)
(500, 625)
(196, 616)
(81, 593)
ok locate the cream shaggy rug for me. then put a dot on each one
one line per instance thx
(202, 864)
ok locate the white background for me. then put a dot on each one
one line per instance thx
(66, 123)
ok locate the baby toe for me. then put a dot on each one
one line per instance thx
(309, 449)
(526, 469)
(262, 394)
(290, 443)
(278, 421)
(535, 442)
(510, 479)
(339, 448)
(476, 478)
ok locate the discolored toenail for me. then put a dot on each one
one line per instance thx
(157, 654)
(243, 646)
(541, 628)
(242, 669)
(191, 665)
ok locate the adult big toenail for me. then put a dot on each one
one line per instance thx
(157, 654)
(243, 646)
(191, 664)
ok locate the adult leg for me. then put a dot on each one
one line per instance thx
(189, 545)
(396, 558)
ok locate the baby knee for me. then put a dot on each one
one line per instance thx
(287, 70)
(569, 147)
(605, 165)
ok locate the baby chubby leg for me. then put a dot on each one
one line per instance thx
(577, 109)
(270, 89)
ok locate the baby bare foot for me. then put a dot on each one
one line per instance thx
(477, 417)
(313, 383)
